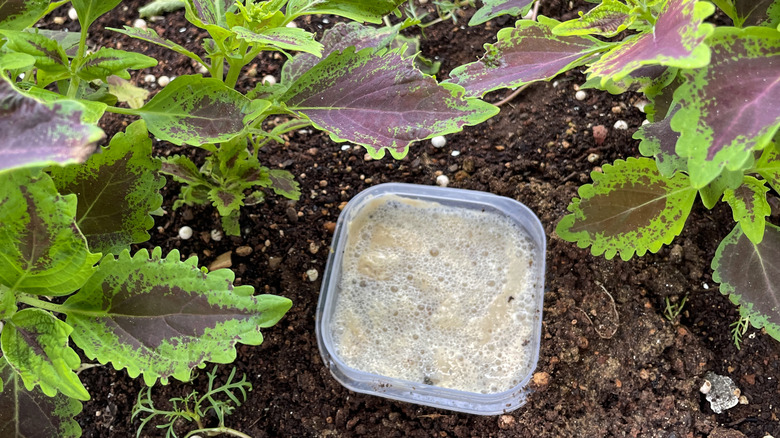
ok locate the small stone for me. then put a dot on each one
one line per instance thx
(311, 151)
(329, 226)
(461, 175)
(469, 165)
(506, 422)
(224, 260)
(439, 141)
(541, 379)
(58, 20)
(640, 105)
(581, 95)
(723, 393)
(621, 125)
(292, 24)
(706, 387)
(72, 14)
(617, 110)
(139, 23)
(743, 400)
(455, 153)
(314, 248)
(216, 235)
(274, 262)
(269, 80)
(323, 183)
(244, 250)
(185, 232)
(252, 72)
(149, 79)
(442, 181)
(203, 69)
(163, 81)
(592, 158)
(312, 274)
(644, 374)
(676, 254)
(346, 147)
(292, 215)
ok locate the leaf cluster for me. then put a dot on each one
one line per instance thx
(714, 116)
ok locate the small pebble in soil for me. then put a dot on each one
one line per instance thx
(72, 14)
(203, 70)
(312, 274)
(346, 147)
(58, 20)
(150, 79)
(506, 421)
(163, 81)
(439, 141)
(216, 235)
(222, 261)
(705, 286)
(592, 158)
(139, 23)
(185, 232)
(581, 95)
(640, 105)
(292, 24)
(269, 80)
(455, 153)
(442, 180)
(621, 124)
(243, 251)
(314, 248)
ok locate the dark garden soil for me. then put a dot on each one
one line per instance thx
(607, 368)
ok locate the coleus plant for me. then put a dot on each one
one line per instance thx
(714, 118)
(67, 219)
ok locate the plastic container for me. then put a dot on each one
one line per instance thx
(424, 392)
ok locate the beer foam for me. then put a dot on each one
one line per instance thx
(437, 294)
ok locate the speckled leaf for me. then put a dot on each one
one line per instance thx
(163, 317)
(91, 111)
(35, 344)
(768, 165)
(34, 134)
(494, 8)
(371, 11)
(677, 40)
(336, 39)
(42, 250)
(210, 15)
(527, 53)
(90, 10)
(630, 208)
(712, 193)
(32, 414)
(151, 36)
(183, 170)
(285, 38)
(7, 306)
(649, 79)
(116, 191)
(283, 183)
(659, 140)
(126, 92)
(750, 275)
(757, 13)
(381, 101)
(196, 110)
(20, 14)
(226, 201)
(48, 53)
(749, 207)
(106, 62)
(607, 19)
(732, 106)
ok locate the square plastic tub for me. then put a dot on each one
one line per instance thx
(424, 391)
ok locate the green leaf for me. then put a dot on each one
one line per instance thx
(210, 15)
(226, 201)
(677, 40)
(371, 11)
(750, 274)
(530, 52)
(126, 92)
(381, 101)
(160, 7)
(750, 207)
(607, 19)
(106, 62)
(91, 112)
(183, 170)
(7, 306)
(151, 36)
(116, 191)
(16, 61)
(630, 208)
(768, 165)
(20, 14)
(90, 10)
(493, 8)
(41, 250)
(658, 140)
(729, 108)
(48, 53)
(196, 110)
(284, 38)
(35, 344)
(283, 183)
(31, 414)
(163, 317)
(712, 192)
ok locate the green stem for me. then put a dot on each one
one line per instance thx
(213, 431)
(45, 305)
(75, 80)
(128, 111)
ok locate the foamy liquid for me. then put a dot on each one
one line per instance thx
(438, 295)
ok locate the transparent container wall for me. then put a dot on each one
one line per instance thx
(415, 392)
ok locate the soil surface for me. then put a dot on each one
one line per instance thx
(610, 364)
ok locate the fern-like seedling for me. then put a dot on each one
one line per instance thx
(194, 407)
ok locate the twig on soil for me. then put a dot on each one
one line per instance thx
(614, 309)
(512, 96)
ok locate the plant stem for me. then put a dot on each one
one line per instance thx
(118, 110)
(45, 305)
(75, 80)
(213, 431)
(512, 96)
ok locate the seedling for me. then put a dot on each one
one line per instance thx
(219, 401)
(738, 330)
(673, 310)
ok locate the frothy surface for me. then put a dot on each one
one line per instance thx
(438, 295)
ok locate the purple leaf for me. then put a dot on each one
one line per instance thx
(731, 107)
(283, 183)
(336, 39)
(676, 41)
(33, 134)
(379, 100)
(529, 52)
(658, 140)
(757, 12)
(495, 8)
(750, 274)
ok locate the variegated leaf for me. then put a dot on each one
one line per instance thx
(749, 207)
(495, 8)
